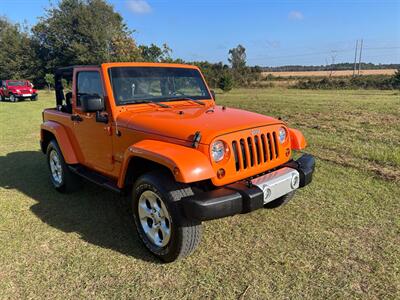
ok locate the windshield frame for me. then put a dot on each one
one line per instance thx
(169, 98)
(25, 83)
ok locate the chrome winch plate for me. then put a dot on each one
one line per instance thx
(277, 183)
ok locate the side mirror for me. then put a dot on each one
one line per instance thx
(213, 94)
(92, 103)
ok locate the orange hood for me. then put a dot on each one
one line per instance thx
(183, 122)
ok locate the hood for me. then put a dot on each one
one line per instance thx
(19, 87)
(183, 122)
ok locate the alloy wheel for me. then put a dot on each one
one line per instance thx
(55, 167)
(154, 218)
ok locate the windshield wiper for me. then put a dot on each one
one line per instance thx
(147, 101)
(185, 99)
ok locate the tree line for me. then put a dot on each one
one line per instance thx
(379, 82)
(81, 32)
(336, 67)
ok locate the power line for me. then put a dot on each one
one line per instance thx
(379, 48)
(319, 53)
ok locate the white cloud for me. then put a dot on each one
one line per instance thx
(139, 6)
(296, 15)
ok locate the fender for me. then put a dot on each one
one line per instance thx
(297, 140)
(186, 164)
(62, 139)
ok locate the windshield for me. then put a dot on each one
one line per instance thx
(156, 84)
(16, 83)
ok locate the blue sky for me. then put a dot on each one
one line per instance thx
(273, 32)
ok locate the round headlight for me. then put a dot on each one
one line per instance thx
(282, 135)
(18, 91)
(218, 151)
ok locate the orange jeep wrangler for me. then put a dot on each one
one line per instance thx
(154, 132)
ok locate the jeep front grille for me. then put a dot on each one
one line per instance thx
(254, 150)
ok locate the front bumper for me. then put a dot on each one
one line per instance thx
(25, 96)
(240, 197)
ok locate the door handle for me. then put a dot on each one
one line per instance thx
(76, 118)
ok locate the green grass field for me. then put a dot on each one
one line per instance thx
(339, 238)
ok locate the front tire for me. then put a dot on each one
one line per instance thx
(34, 98)
(61, 176)
(13, 98)
(159, 223)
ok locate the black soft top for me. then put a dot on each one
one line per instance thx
(64, 72)
(70, 69)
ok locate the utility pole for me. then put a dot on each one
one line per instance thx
(359, 61)
(355, 59)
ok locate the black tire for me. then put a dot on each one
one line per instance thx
(2, 98)
(69, 181)
(34, 98)
(280, 201)
(185, 235)
(13, 98)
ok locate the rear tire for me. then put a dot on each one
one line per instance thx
(160, 225)
(1, 98)
(280, 201)
(61, 176)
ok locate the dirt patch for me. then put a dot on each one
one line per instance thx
(384, 172)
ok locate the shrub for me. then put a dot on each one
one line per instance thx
(381, 82)
(226, 83)
(49, 78)
(396, 80)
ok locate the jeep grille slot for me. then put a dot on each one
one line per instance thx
(235, 153)
(275, 144)
(243, 153)
(255, 150)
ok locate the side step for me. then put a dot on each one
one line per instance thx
(96, 178)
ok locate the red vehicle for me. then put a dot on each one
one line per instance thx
(15, 90)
